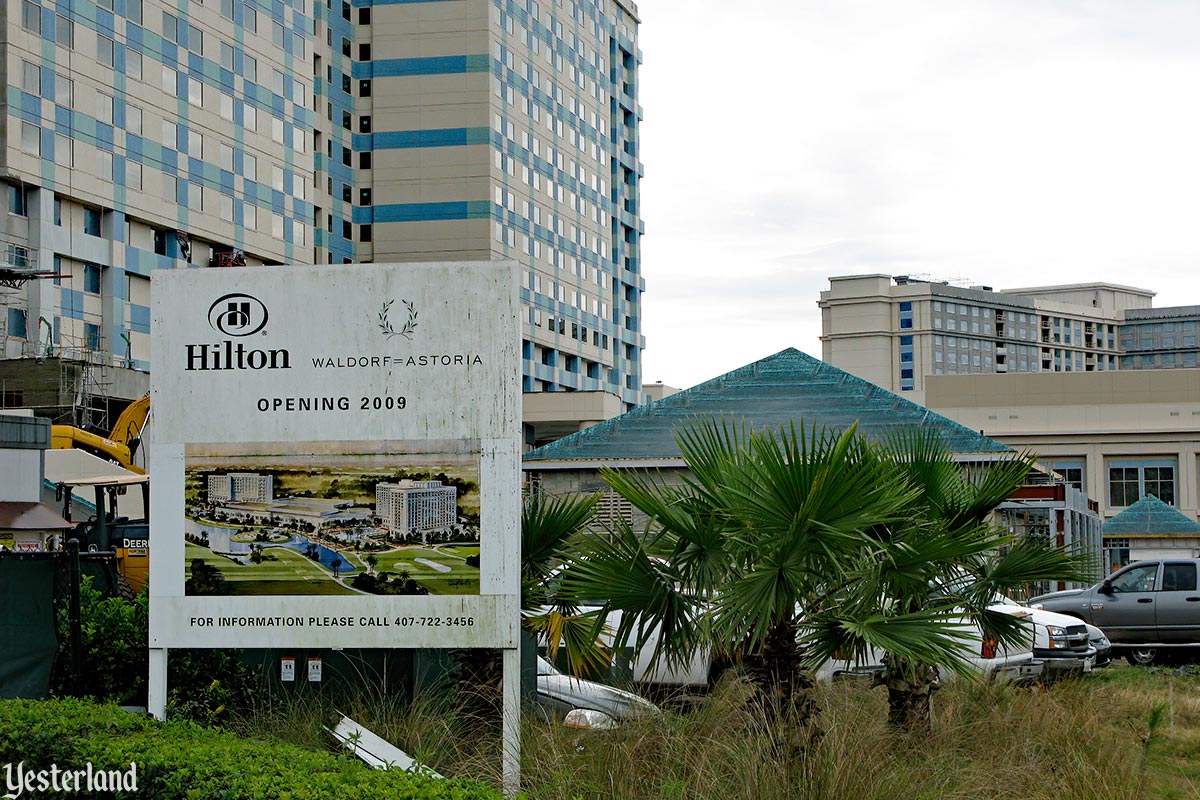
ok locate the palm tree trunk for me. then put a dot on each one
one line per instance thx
(910, 686)
(787, 690)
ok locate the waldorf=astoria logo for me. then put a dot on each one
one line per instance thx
(236, 315)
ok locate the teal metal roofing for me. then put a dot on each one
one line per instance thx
(1149, 515)
(789, 386)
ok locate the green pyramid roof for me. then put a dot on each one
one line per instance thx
(787, 387)
(1149, 515)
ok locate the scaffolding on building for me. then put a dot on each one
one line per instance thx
(85, 374)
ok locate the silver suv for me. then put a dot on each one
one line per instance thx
(1144, 609)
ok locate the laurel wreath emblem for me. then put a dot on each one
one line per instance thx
(407, 329)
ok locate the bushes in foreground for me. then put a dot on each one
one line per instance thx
(180, 759)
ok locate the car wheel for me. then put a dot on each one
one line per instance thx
(1141, 656)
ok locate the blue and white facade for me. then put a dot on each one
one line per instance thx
(161, 134)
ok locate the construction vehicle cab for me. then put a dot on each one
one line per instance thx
(123, 531)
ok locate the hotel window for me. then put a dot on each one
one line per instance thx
(104, 50)
(18, 200)
(17, 326)
(64, 31)
(1129, 480)
(31, 78)
(64, 91)
(91, 279)
(31, 139)
(31, 16)
(64, 150)
(91, 221)
(104, 108)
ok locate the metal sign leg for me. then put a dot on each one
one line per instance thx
(156, 690)
(511, 724)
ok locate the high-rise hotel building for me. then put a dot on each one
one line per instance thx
(897, 332)
(162, 134)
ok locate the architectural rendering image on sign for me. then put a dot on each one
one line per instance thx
(318, 518)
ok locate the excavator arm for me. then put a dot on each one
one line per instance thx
(118, 447)
(129, 425)
(65, 437)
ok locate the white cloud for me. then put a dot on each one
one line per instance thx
(1010, 142)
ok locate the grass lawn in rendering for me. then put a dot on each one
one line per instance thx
(457, 579)
(287, 573)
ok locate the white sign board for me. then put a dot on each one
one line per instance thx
(335, 456)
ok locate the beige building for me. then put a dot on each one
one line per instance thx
(409, 508)
(241, 487)
(1116, 435)
(898, 332)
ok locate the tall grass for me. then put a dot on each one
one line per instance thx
(1076, 739)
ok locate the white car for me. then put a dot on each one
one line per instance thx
(586, 704)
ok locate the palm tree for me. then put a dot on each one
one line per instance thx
(550, 530)
(751, 540)
(785, 548)
(372, 561)
(335, 564)
(550, 607)
(944, 561)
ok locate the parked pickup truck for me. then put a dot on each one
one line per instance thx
(1060, 642)
(992, 660)
(1144, 609)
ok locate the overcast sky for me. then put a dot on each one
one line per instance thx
(999, 142)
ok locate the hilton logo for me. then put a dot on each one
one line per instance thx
(236, 315)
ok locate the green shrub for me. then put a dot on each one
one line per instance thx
(114, 634)
(180, 759)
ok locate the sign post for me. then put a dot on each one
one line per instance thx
(318, 434)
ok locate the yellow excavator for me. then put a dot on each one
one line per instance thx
(127, 538)
(119, 446)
